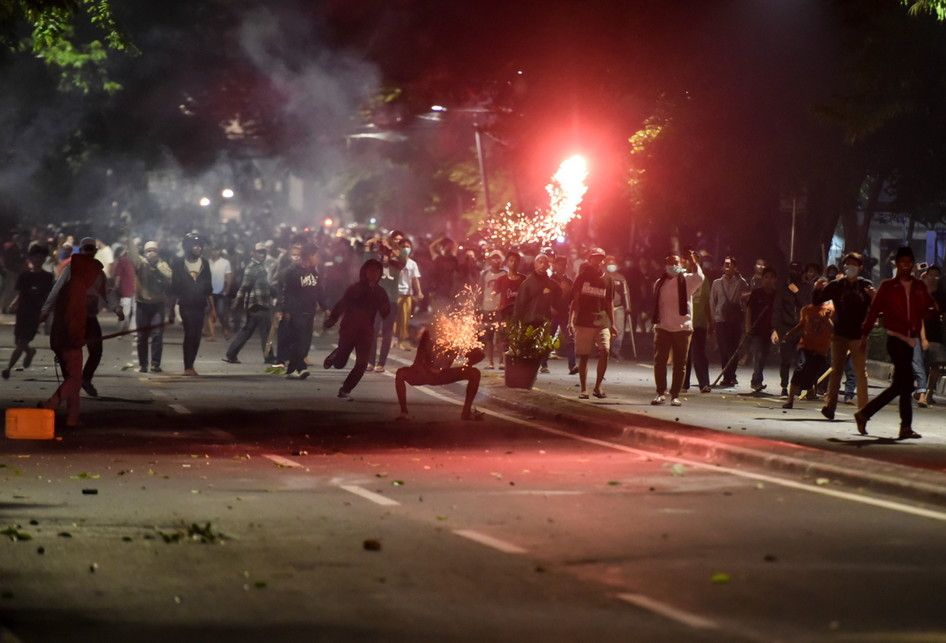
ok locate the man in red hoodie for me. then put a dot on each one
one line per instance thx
(904, 302)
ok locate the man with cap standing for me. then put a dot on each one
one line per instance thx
(152, 282)
(254, 298)
(591, 320)
(191, 286)
(904, 302)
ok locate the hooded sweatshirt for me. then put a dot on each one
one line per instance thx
(191, 290)
(360, 303)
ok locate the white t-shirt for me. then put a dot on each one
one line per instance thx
(670, 318)
(106, 257)
(491, 300)
(219, 269)
(410, 272)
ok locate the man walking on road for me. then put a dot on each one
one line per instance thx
(254, 298)
(851, 295)
(904, 303)
(32, 288)
(759, 325)
(702, 317)
(726, 303)
(790, 298)
(152, 284)
(673, 323)
(301, 297)
(191, 286)
(591, 320)
(538, 294)
(221, 280)
(622, 305)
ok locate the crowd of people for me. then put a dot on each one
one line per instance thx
(382, 288)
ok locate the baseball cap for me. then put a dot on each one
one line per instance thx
(151, 245)
(597, 252)
(260, 247)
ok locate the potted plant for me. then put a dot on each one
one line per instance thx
(527, 345)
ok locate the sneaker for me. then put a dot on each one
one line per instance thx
(849, 399)
(345, 395)
(573, 371)
(758, 388)
(544, 369)
(231, 360)
(303, 374)
(788, 405)
(189, 372)
(156, 369)
(369, 368)
(861, 422)
(28, 359)
(657, 401)
(675, 402)
(88, 388)
(379, 369)
(489, 367)
(906, 433)
(142, 369)
(6, 373)
(784, 392)
(502, 367)
(706, 389)
(330, 359)
(827, 412)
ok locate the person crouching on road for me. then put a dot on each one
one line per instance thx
(673, 323)
(816, 329)
(191, 284)
(301, 297)
(591, 320)
(357, 309)
(904, 303)
(431, 368)
(79, 290)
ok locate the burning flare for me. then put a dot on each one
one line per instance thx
(457, 328)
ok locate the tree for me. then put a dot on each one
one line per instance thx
(935, 7)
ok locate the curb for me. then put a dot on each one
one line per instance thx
(715, 447)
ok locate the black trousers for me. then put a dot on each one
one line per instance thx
(901, 386)
(283, 341)
(193, 321)
(93, 338)
(728, 336)
(299, 331)
(150, 314)
(697, 359)
(358, 340)
(257, 321)
(788, 360)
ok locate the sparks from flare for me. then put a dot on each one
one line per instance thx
(509, 228)
(457, 328)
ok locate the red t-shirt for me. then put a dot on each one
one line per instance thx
(508, 288)
(125, 273)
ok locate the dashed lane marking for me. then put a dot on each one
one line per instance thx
(668, 611)
(489, 541)
(761, 477)
(180, 408)
(281, 461)
(376, 498)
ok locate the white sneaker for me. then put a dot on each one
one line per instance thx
(657, 401)
(675, 402)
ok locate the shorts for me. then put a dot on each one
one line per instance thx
(24, 329)
(589, 338)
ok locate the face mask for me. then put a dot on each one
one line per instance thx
(405, 252)
(612, 267)
(673, 271)
(337, 258)
(851, 271)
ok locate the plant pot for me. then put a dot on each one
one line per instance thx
(521, 372)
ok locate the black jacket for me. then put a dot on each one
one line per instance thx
(191, 293)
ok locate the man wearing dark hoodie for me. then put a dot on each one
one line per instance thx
(357, 309)
(192, 286)
(301, 297)
(77, 293)
(538, 295)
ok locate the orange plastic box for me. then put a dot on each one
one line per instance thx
(30, 424)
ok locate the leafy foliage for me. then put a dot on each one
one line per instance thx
(530, 342)
(935, 7)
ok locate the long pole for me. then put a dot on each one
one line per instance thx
(482, 162)
(791, 248)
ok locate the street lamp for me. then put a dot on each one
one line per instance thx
(227, 193)
(204, 202)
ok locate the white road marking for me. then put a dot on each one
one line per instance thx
(489, 541)
(537, 492)
(180, 408)
(791, 484)
(283, 462)
(668, 611)
(376, 498)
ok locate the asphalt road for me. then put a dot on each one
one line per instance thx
(330, 521)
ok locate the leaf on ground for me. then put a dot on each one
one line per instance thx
(15, 534)
(442, 518)
(678, 469)
(720, 578)
(614, 483)
(821, 482)
(397, 483)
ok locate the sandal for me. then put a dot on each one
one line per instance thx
(600, 394)
(582, 396)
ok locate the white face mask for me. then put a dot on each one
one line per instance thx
(851, 271)
(673, 271)
(612, 267)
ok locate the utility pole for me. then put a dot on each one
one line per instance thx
(482, 162)
(791, 246)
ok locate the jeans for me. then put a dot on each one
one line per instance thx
(812, 367)
(384, 326)
(222, 309)
(840, 347)
(901, 386)
(150, 315)
(299, 327)
(920, 373)
(358, 340)
(404, 305)
(759, 349)
(93, 337)
(697, 359)
(193, 321)
(256, 321)
(728, 336)
(788, 360)
(665, 344)
(617, 342)
(850, 381)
